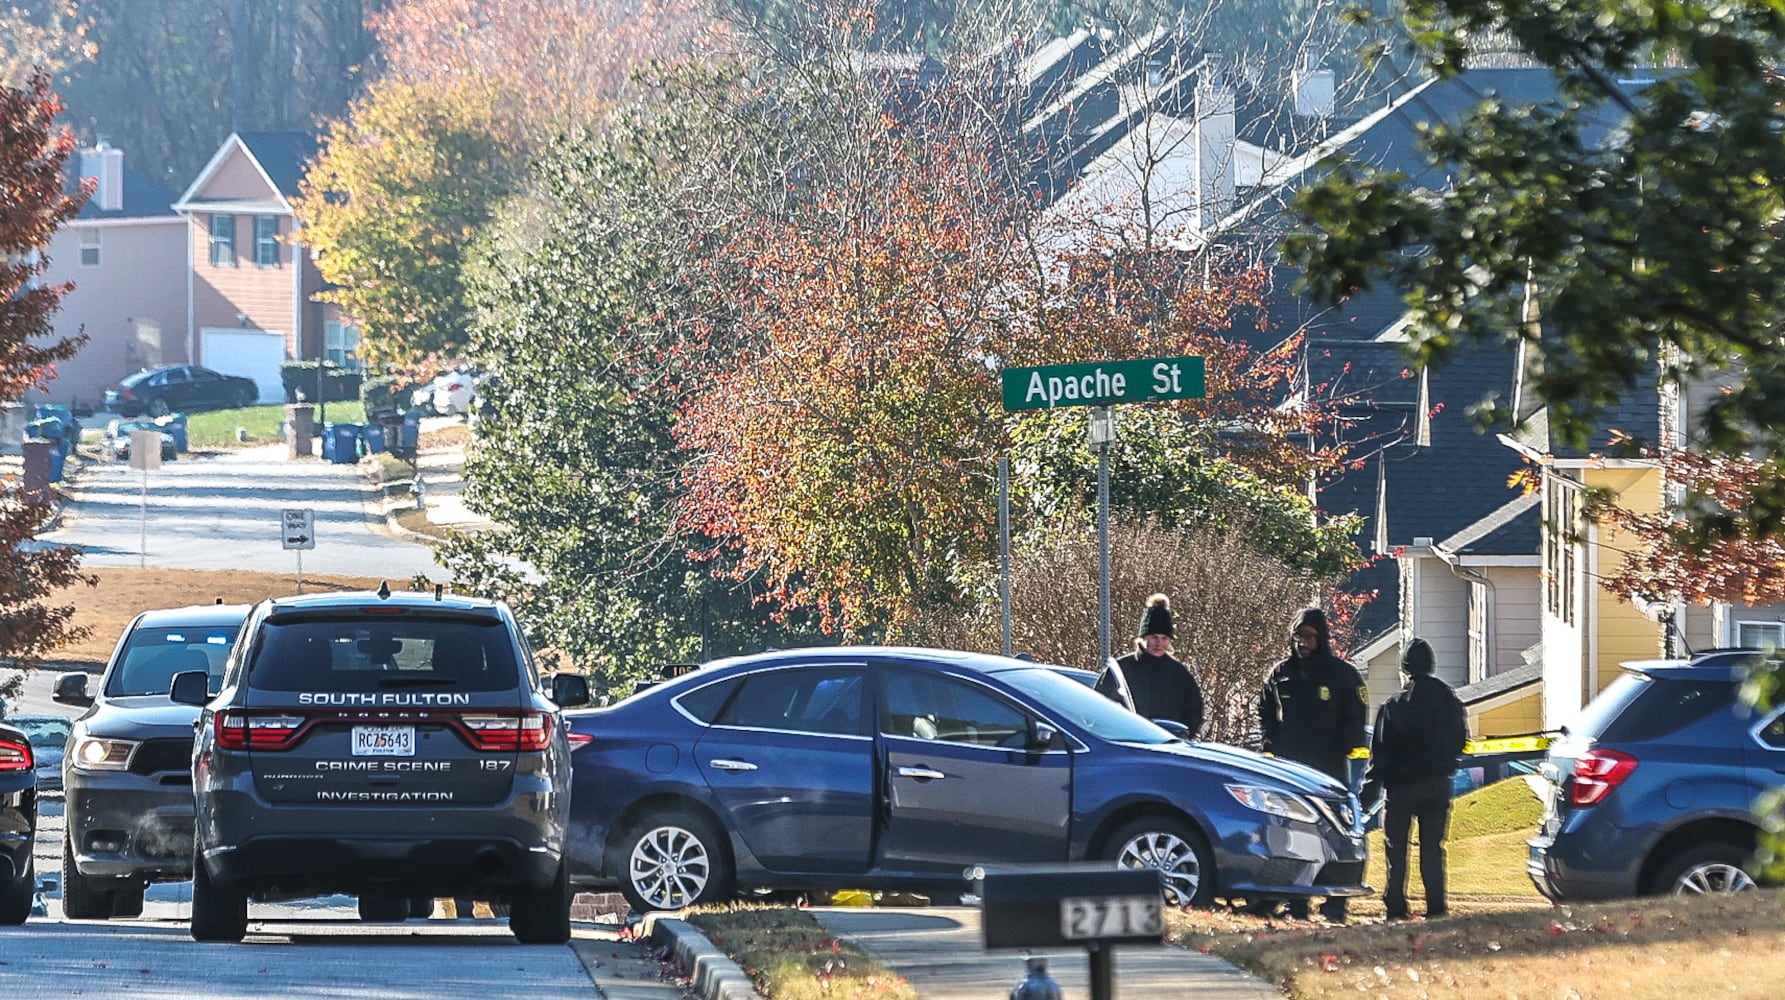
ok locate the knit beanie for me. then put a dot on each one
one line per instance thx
(1156, 619)
(1313, 618)
(1417, 661)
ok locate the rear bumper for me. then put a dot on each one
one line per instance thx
(1561, 876)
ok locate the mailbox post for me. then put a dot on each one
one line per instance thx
(1094, 907)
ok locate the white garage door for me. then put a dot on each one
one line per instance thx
(255, 354)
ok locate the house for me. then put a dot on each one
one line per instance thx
(124, 255)
(251, 288)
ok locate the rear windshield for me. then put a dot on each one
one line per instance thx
(1640, 707)
(423, 653)
(152, 656)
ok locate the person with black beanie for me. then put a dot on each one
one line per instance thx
(1413, 753)
(1150, 680)
(1312, 710)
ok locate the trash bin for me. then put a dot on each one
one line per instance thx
(345, 438)
(373, 436)
(409, 435)
(174, 424)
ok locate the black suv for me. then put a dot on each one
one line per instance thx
(127, 778)
(1653, 789)
(18, 825)
(396, 747)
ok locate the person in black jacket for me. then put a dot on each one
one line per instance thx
(1413, 752)
(1312, 710)
(1150, 680)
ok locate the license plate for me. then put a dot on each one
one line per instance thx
(1084, 918)
(384, 741)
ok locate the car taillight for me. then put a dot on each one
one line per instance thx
(579, 740)
(524, 731)
(15, 756)
(1597, 773)
(244, 731)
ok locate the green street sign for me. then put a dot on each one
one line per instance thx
(1101, 383)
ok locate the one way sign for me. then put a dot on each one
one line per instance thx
(299, 528)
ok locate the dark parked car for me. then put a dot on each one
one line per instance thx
(396, 747)
(18, 825)
(160, 391)
(895, 768)
(1653, 789)
(49, 738)
(127, 782)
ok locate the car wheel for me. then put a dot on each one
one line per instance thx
(1718, 869)
(376, 909)
(673, 860)
(542, 915)
(219, 912)
(243, 398)
(16, 896)
(83, 898)
(1176, 849)
(158, 407)
(127, 899)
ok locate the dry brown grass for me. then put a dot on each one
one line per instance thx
(790, 957)
(122, 592)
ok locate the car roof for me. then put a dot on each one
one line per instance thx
(1716, 665)
(194, 615)
(396, 598)
(983, 662)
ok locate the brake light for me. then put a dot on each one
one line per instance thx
(579, 740)
(242, 731)
(1597, 773)
(15, 756)
(524, 731)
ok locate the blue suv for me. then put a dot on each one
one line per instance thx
(1653, 789)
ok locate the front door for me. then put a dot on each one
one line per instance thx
(791, 762)
(962, 785)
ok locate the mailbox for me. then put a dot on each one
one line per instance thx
(1082, 906)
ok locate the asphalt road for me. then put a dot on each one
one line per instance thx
(223, 511)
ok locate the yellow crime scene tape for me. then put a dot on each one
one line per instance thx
(1526, 743)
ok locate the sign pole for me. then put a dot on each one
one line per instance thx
(142, 537)
(1004, 545)
(1103, 600)
(300, 570)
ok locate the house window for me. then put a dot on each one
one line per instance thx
(89, 247)
(1759, 635)
(266, 241)
(340, 342)
(223, 241)
(1561, 552)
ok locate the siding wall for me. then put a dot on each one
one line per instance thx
(132, 306)
(1518, 613)
(1524, 715)
(1623, 632)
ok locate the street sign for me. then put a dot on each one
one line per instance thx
(1101, 383)
(298, 527)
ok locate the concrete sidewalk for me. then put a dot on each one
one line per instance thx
(939, 951)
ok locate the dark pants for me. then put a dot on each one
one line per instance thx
(1428, 801)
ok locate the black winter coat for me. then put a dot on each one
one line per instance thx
(1312, 710)
(1162, 688)
(1419, 733)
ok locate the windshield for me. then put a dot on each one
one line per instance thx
(1073, 702)
(152, 656)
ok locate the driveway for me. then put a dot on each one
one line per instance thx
(224, 511)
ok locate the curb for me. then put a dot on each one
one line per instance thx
(712, 973)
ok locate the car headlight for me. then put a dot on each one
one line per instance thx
(1269, 800)
(93, 753)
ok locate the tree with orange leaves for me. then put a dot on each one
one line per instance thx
(33, 151)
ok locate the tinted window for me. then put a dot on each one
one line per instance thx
(1773, 733)
(419, 653)
(152, 656)
(704, 703)
(1664, 706)
(808, 700)
(42, 732)
(937, 707)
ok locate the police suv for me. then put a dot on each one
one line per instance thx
(396, 747)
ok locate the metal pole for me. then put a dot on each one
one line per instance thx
(300, 567)
(1102, 562)
(1103, 972)
(142, 542)
(1004, 545)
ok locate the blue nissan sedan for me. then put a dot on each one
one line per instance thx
(900, 768)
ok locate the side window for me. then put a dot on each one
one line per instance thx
(704, 703)
(934, 707)
(801, 699)
(1773, 733)
(1668, 706)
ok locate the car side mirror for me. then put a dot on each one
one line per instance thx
(191, 687)
(570, 690)
(71, 689)
(1043, 736)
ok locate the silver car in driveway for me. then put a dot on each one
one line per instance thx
(127, 780)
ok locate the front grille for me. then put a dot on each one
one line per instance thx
(1341, 873)
(1281, 871)
(156, 756)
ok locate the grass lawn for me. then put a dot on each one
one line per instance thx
(1501, 942)
(217, 428)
